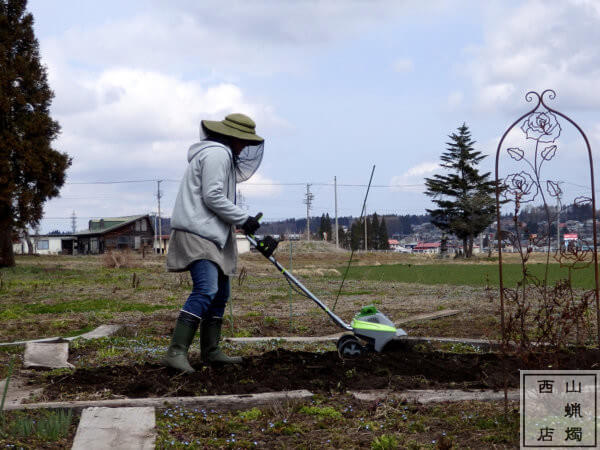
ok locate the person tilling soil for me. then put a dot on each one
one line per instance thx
(203, 238)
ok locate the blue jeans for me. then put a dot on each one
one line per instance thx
(210, 292)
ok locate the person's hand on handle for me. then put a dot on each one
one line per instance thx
(251, 224)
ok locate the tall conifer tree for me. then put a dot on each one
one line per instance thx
(464, 197)
(373, 232)
(382, 236)
(31, 171)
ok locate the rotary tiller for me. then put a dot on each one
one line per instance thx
(369, 326)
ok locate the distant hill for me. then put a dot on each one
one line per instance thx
(396, 224)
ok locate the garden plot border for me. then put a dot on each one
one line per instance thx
(99, 332)
(229, 402)
(207, 401)
(483, 343)
(424, 396)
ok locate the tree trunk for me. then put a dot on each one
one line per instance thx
(465, 247)
(470, 250)
(7, 256)
(30, 249)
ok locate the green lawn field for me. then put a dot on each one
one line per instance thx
(467, 274)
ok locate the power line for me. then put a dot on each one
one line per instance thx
(303, 184)
(111, 182)
(249, 184)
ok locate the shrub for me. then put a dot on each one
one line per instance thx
(385, 442)
(251, 414)
(115, 259)
(325, 411)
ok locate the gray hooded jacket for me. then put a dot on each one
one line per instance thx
(205, 203)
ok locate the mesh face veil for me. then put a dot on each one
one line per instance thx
(248, 161)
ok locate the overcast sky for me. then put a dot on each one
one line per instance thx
(334, 86)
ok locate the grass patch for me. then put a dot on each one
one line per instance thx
(321, 411)
(387, 425)
(467, 274)
(74, 306)
(385, 442)
(36, 429)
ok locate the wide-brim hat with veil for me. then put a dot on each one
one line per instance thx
(242, 127)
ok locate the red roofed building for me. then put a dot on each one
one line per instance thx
(427, 247)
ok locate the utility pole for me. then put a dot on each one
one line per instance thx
(73, 222)
(158, 196)
(241, 200)
(308, 198)
(337, 238)
(365, 227)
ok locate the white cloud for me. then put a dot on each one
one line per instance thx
(413, 178)
(143, 122)
(259, 37)
(455, 99)
(536, 46)
(403, 65)
(260, 186)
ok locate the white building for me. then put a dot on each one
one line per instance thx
(55, 244)
(243, 245)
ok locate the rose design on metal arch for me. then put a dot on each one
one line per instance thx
(541, 127)
(553, 188)
(521, 186)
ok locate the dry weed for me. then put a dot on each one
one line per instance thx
(115, 259)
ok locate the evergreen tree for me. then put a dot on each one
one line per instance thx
(444, 244)
(464, 197)
(31, 171)
(382, 236)
(343, 238)
(321, 227)
(373, 232)
(327, 227)
(357, 235)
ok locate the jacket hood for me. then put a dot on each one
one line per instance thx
(202, 146)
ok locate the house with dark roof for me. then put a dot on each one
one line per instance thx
(115, 233)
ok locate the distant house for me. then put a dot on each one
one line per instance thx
(46, 244)
(396, 246)
(427, 247)
(115, 233)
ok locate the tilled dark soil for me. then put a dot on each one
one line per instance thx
(318, 372)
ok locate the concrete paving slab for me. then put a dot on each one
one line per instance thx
(47, 355)
(18, 390)
(50, 339)
(223, 402)
(428, 316)
(116, 428)
(101, 331)
(336, 336)
(424, 396)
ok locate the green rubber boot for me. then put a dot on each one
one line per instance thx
(210, 336)
(183, 335)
